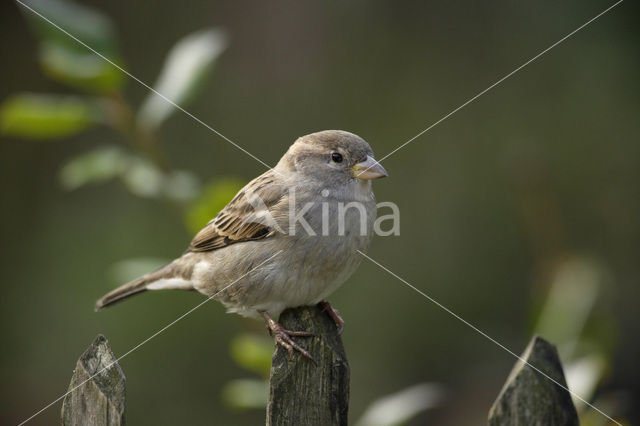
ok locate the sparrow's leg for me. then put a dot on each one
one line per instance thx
(283, 336)
(333, 313)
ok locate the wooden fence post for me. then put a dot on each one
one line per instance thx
(304, 393)
(529, 398)
(99, 400)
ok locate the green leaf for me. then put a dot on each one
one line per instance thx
(93, 167)
(244, 394)
(400, 407)
(187, 65)
(214, 197)
(81, 69)
(181, 185)
(86, 24)
(572, 297)
(35, 116)
(253, 353)
(144, 179)
(583, 376)
(137, 174)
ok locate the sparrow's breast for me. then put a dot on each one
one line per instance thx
(315, 257)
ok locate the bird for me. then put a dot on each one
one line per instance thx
(289, 238)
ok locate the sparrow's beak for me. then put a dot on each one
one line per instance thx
(368, 169)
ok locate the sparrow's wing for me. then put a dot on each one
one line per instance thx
(251, 215)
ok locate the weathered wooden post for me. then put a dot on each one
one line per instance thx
(304, 393)
(99, 400)
(529, 398)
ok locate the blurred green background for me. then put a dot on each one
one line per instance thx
(521, 212)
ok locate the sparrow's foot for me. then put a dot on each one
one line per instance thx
(333, 313)
(283, 336)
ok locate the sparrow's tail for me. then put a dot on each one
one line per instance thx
(163, 278)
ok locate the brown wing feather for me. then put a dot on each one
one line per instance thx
(238, 221)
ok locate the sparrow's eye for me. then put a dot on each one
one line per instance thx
(336, 157)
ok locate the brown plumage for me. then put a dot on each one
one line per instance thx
(133, 287)
(233, 258)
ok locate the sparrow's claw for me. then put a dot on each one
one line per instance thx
(283, 336)
(333, 313)
(299, 333)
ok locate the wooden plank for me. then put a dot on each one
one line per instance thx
(304, 393)
(529, 398)
(95, 400)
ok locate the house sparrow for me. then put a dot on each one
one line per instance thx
(315, 209)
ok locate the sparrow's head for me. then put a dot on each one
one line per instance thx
(333, 155)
